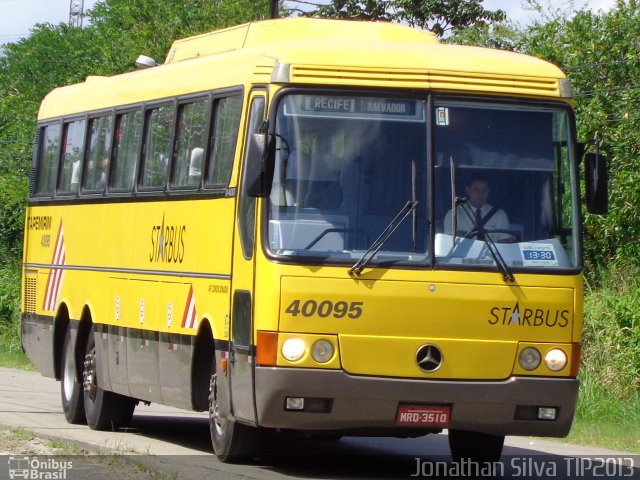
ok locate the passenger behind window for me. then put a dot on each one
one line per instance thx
(75, 176)
(195, 165)
(104, 174)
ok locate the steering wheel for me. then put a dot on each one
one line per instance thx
(515, 234)
(336, 230)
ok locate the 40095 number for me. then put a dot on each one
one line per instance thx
(325, 308)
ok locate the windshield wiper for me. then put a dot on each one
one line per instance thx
(481, 233)
(362, 262)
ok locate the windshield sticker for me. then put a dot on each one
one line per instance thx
(538, 255)
(442, 116)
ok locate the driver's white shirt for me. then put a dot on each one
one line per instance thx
(498, 221)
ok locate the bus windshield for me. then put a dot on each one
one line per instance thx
(353, 174)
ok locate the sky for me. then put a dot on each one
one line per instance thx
(17, 17)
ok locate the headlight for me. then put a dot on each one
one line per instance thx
(555, 359)
(529, 358)
(322, 351)
(293, 349)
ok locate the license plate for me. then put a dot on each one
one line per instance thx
(434, 416)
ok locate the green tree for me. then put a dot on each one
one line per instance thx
(49, 57)
(601, 54)
(379, 10)
(126, 28)
(446, 17)
(442, 17)
(56, 55)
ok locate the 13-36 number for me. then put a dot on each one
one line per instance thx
(325, 308)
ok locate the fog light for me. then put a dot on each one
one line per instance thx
(555, 359)
(322, 351)
(529, 358)
(546, 413)
(294, 403)
(293, 349)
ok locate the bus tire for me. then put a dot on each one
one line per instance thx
(70, 389)
(475, 446)
(232, 442)
(104, 410)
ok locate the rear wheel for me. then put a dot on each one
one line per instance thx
(70, 388)
(232, 442)
(474, 446)
(104, 409)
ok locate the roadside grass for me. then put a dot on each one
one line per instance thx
(614, 436)
(11, 354)
(608, 413)
(96, 464)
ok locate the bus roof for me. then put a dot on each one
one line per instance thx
(308, 51)
(269, 32)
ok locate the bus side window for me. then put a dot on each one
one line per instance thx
(99, 147)
(158, 138)
(48, 159)
(72, 148)
(226, 122)
(126, 148)
(190, 144)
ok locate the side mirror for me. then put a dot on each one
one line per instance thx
(259, 165)
(596, 183)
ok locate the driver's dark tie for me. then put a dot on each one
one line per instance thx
(479, 226)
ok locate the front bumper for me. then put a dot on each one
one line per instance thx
(368, 405)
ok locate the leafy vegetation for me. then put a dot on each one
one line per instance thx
(441, 17)
(599, 51)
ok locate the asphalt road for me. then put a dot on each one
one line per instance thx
(177, 442)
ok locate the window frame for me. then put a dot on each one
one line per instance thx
(41, 156)
(61, 160)
(216, 98)
(113, 163)
(143, 159)
(180, 105)
(111, 115)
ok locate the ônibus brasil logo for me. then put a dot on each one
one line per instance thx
(34, 468)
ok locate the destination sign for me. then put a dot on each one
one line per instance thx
(350, 107)
(365, 105)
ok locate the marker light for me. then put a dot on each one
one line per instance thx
(555, 359)
(322, 351)
(293, 349)
(529, 358)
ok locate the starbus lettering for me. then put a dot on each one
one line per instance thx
(167, 243)
(530, 317)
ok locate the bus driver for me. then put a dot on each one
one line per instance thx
(476, 210)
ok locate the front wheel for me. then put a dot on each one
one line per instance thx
(105, 410)
(232, 442)
(70, 388)
(475, 446)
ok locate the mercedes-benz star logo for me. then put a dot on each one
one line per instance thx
(429, 358)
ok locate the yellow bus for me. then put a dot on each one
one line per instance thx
(278, 226)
